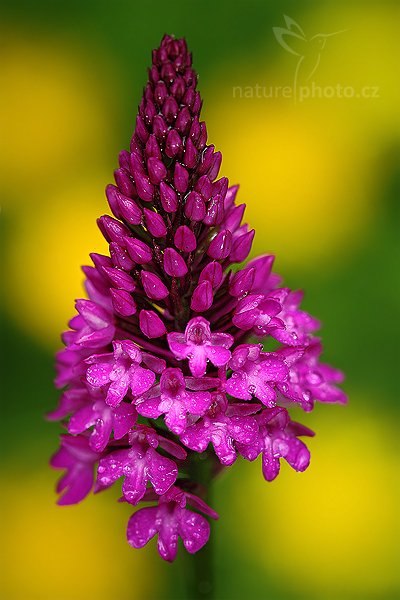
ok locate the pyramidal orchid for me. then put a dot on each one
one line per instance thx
(166, 366)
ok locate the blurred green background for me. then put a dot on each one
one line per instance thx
(321, 179)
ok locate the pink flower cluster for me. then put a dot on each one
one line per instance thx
(165, 359)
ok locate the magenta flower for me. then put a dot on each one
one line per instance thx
(277, 438)
(258, 313)
(78, 459)
(255, 373)
(198, 345)
(121, 371)
(223, 425)
(308, 379)
(173, 399)
(104, 421)
(298, 324)
(139, 464)
(170, 520)
(163, 382)
(93, 328)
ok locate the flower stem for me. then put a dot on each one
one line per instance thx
(199, 567)
(199, 574)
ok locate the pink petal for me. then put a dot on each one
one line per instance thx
(273, 369)
(125, 416)
(223, 446)
(131, 349)
(101, 433)
(82, 420)
(140, 380)
(197, 403)
(142, 526)
(167, 544)
(198, 360)
(194, 530)
(222, 339)
(117, 391)
(175, 417)
(270, 464)
(196, 437)
(70, 401)
(172, 448)
(218, 355)
(134, 486)
(149, 407)
(153, 362)
(199, 504)
(162, 472)
(178, 345)
(238, 387)
(243, 429)
(265, 393)
(99, 374)
(296, 453)
(79, 482)
(111, 467)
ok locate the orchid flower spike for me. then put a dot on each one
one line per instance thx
(164, 358)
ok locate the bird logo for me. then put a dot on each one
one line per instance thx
(308, 49)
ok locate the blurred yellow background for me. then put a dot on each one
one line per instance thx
(320, 176)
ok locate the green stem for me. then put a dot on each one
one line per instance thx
(199, 567)
(199, 574)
